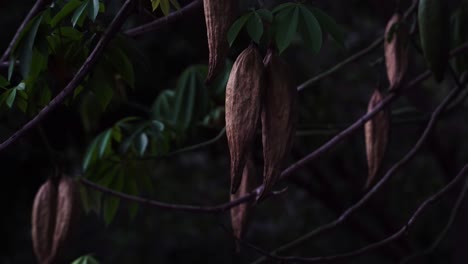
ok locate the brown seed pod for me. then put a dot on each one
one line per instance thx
(243, 106)
(376, 135)
(279, 116)
(55, 208)
(43, 221)
(66, 212)
(240, 214)
(396, 50)
(219, 15)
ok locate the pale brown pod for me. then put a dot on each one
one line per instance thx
(219, 15)
(67, 210)
(376, 135)
(396, 50)
(43, 221)
(240, 214)
(279, 117)
(243, 105)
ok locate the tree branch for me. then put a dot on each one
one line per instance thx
(344, 216)
(442, 234)
(172, 207)
(402, 231)
(172, 17)
(38, 6)
(78, 77)
(353, 57)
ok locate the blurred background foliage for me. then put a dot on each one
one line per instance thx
(147, 98)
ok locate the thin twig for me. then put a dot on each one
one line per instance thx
(216, 209)
(164, 21)
(38, 6)
(353, 57)
(185, 149)
(442, 234)
(78, 77)
(401, 232)
(344, 216)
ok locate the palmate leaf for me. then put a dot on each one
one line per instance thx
(310, 29)
(85, 260)
(329, 24)
(285, 24)
(237, 27)
(255, 27)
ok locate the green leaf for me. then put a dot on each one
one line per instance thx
(286, 22)
(85, 260)
(141, 144)
(175, 4)
(185, 99)
(90, 155)
(11, 98)
(93, 10)
(163, 106)
(310, 28)
(155, 4)
(67, 9)
(11, 67)
(79, 12)
(124, 66)
(282, 7)
(27, 48)
(236, 28)
(265, 14)
(165, 7)
(255, 27)
(38, 65)
(329, 24)
(117, 134)
(104, 142)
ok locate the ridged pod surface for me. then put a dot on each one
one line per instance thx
(396, 50)
(434, 30)
(243, 106)
(66, 212)
(376, 136)
(54, 210)
(43, 221)
(279, 116)
(240, 214)
(219, 15)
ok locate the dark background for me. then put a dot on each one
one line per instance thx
(315, 195)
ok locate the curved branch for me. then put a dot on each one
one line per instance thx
(442, 234)
(38, 6)
(353, 57)
(172, 17)
(79, 76)
(172, 207)
(344, 216)
(401, 232)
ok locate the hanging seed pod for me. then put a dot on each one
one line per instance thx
(243, 106)
(43, 221)
(279, 116)
(396, 50)
(54, 210)
(67, 209)
(240, 214)
(376, 135)
(434, 32)
(219, 15)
